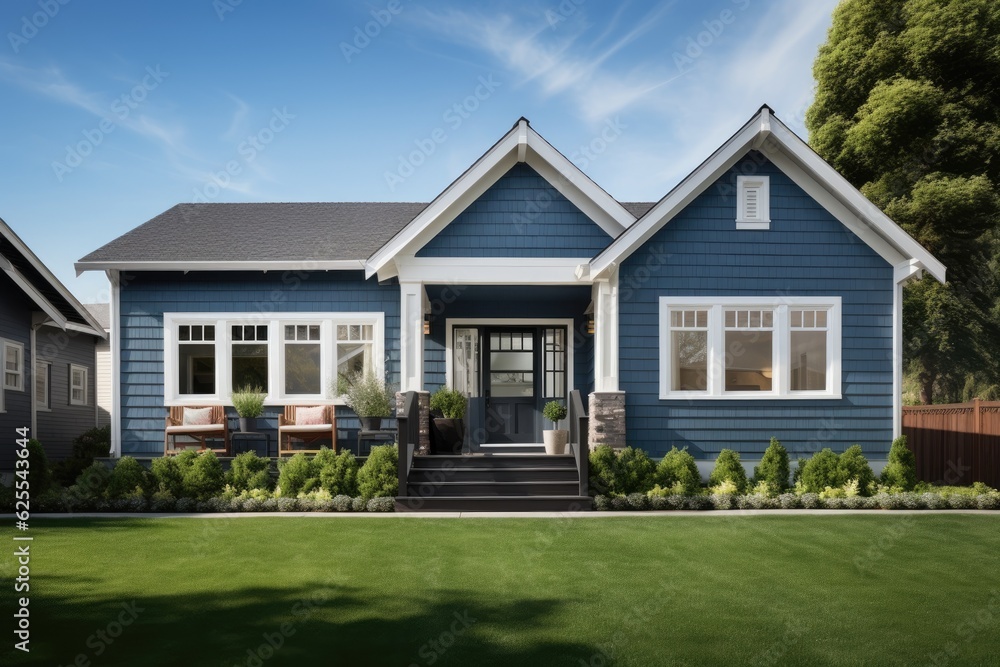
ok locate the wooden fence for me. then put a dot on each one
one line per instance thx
(955, 444)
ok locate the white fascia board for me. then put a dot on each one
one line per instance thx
(693, 185)
(46, 306)
(608, 211)
(250, 265)
(852, 197)
(507, 146)
(490, 270)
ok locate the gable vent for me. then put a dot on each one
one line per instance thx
(753, 202)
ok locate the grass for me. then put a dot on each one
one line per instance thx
(834, 590)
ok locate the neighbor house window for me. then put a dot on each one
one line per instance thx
(78, 384)
(753, 205)
(13, 366)
(745, 347)
(293, 357)
(42, 385)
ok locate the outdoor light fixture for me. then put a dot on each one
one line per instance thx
(590, 326)
(427, 327)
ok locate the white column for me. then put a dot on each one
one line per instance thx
(116, 366)
(411, 336)
(903, 273)
(606, 334)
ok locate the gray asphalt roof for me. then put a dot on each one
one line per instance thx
(267, 232)
(101, 312)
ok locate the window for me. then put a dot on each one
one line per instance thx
(746, 347)
(293, 357)
(466, 361)
(554, 367)
(78, 385)
(42, 385)
(196, 359)
(249, 355)
(753, 206)
(13, 366)
(303, 360)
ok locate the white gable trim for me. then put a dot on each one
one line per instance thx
(790, 154)
(520, 144)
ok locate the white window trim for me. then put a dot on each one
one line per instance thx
(763, 218)
(86, 384)
(20, 370)
(781, 373)
(275, 354)
(43, 369)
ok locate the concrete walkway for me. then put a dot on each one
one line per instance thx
(500, 515)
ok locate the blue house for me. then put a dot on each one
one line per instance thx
(760, 297)
(47, 353)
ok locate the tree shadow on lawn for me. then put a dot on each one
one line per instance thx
(321, 624)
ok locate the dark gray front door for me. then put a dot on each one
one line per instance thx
(511, 382)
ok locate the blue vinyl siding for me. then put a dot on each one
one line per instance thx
(807, 252)
(147, 296)
(521, 215)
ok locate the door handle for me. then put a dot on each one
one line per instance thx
(487, 399)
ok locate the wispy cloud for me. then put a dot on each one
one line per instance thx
(238, 124)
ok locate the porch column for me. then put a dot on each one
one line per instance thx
(606, 334)
(902, 274)
(411, 337)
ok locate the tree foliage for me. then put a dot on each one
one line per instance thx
(908, 109)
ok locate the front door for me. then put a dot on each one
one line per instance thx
(510, 379)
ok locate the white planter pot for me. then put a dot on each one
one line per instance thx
(555, 441)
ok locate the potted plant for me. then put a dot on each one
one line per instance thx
(249, 403)
(369, 396)
(449, 428)
(555, 439)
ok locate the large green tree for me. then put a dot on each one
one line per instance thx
(908, 108)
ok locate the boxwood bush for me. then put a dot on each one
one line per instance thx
(127, 476)
(338, 475)
(203, 479)
(901, 470)
(620, 473)
(773, 468)
(379, 476)
(728, 467)
(248, 471)
(297, 475)
(678, 471)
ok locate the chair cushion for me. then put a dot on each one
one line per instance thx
(310, 416)
(194, 430)
(197, 416)
(305, 428)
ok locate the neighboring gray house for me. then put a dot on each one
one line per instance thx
(102, 375)
(47, 343)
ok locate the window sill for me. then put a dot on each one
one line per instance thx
(755, 396)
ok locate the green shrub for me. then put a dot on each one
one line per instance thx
(203, 479)
(248, 471)
(901, 470)
(620, 473)
(379, 476)
(367, 394)
(820, 471)
(128, 474)
(853, 466)
(678, 467)
(249, 401)
(773, 468)
(339, 475)
(297, 475)
(554, 411)
(449, 402)
(728, 466)
(39, 472)
(93, 481)
(86, 447)
(167, 476)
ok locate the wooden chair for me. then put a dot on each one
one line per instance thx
(219, 428)
(307, 433)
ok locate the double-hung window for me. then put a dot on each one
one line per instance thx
(293, 357)
(42, 373)
(748, 347)
(13, 366)
(78, 384)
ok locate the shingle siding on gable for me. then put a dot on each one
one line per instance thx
(521, 215)
(148, 295)
(805, 252)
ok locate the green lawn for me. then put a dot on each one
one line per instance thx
(778, 590)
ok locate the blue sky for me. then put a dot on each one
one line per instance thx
(114, 111)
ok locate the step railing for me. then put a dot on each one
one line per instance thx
(408, 437)
(579, 429)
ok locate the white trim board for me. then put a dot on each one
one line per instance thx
(252, 265)
(490, 270)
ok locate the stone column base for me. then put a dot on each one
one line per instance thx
(607, 419)
(424, 406)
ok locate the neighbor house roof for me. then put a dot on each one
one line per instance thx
(765, 133)
(28, 272)
(256, 236)
(101, 313)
